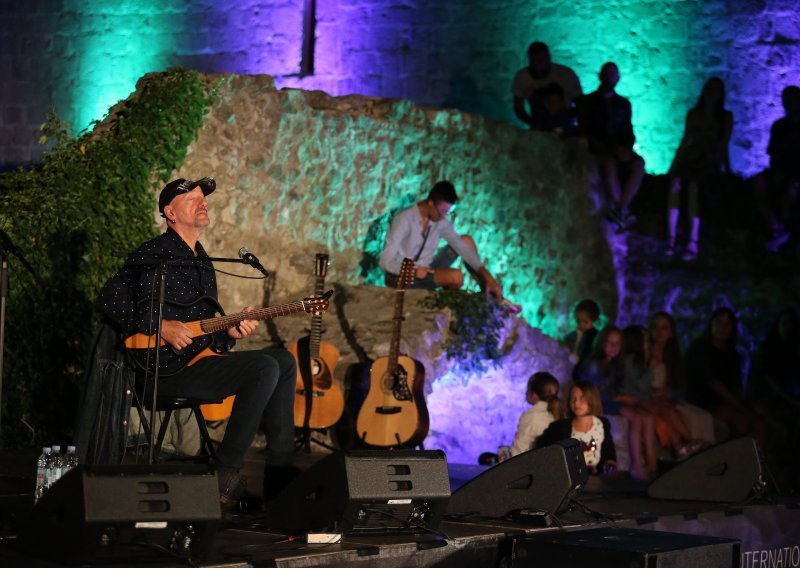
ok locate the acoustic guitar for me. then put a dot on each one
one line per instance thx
(394, 411)
(318, 399)
(141, 346)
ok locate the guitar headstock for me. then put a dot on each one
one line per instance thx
(321, 265)
(406, 276)
(317, 305)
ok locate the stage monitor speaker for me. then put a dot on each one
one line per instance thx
(632, 548)
(365, 491)
(102, 512)
(539, 480)
(724, 473)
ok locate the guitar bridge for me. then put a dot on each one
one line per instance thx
(388, 409)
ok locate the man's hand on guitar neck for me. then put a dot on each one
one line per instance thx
(244, 327)
(176, 334)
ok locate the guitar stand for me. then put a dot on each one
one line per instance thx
(302, 443)
(400, 445)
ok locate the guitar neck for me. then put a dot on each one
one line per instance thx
(316, 322)
(397, 324)
(224, 322)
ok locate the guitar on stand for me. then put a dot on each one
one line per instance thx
(394, 412)
(318, 399)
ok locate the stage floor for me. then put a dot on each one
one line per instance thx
(768, 531)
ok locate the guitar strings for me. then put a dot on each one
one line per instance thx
(224, 322)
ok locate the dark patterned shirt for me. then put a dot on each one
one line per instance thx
(130, 297)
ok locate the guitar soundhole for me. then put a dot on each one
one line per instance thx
(315, 367)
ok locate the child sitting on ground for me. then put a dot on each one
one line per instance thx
(542, 393)
(587, 426)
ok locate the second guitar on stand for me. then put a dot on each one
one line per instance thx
(394, 412)
(318, 400)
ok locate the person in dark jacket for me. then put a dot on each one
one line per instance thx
(262, 380)
(587, 426)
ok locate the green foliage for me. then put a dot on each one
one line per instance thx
(475, 328)
(91, 196)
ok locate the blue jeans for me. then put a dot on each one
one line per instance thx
(264, 384)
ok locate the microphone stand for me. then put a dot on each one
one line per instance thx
(163, 262)
(7, 247)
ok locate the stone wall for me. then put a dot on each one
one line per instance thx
(301, 172)
(80, 57)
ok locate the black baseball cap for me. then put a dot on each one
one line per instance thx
(179, 186)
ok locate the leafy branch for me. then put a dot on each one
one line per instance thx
(475, 328)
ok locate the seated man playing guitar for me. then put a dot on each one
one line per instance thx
(415, 233)
(263, 381)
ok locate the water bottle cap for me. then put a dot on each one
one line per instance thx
(70, 448)
(56, 448)
(47, 450)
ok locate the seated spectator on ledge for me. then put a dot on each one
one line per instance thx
(714, 376)
(778, 187)
(534, 84)
(580, 342)
(604, 118)
(415, 233)
(701, 156)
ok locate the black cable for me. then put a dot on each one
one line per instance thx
(592, 513)
(410, 523)
(239, 275)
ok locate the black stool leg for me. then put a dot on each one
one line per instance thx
(162, 431)
(201, 424)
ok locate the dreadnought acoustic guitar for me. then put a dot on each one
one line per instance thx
(394, 411)
(142, 346)
(318, 399)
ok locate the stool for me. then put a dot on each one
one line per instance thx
(169, 404)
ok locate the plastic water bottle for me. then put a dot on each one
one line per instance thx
(41, 473)
(70, 460)
(54, 471)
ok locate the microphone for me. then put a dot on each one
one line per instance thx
(251, 259)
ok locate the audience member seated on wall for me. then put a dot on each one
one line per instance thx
(666, 364)
(714, 376)
(587, 425)
(542, 394)
(531, 85)
(605, 367)
(632, 397)
(778, 187)
(701, 156)
(774, 385)
(415, 233)
(581, 341)
(604, 118)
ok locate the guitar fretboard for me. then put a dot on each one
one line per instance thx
(224, 322)
(316, 322)
(397, 324)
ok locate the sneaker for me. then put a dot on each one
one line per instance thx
(511, 308)
(669, 252)
(691, 252)
(628, 218)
